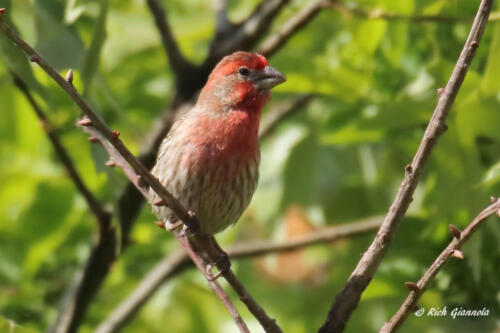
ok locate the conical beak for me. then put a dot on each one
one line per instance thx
(269, 78)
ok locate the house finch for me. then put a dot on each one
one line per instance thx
(209, 160)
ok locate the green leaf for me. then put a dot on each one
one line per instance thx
(56, 41)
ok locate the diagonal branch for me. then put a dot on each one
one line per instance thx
(245, 35)
(277, 40)
(452, 250)
(178, 63)
(188, 218)
(347, 300)
(176, 263)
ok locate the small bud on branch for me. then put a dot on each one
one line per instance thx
(455, 231)
(69, 76)
(457, 254)
(412, 286)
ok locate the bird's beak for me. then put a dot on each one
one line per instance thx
(269, 78)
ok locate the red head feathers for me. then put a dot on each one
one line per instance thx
(241, 80)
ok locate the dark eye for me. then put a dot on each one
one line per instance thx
(243, 71)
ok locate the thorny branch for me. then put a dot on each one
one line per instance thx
(452, 250)
(176, 263)
(347, 300)
(188, 218)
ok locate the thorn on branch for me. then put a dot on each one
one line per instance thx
(85, 121)
(440, 91)
(69, 76)
(35, 58)
(141, 182)
(455, 231)
(116, 134)
(441, 128)
(412, 286)
(93, 139)
(160, 224)
(2, 10)
(110, 163)
(159, 203)
(457, 254)
(474, 44)
(408, 169)
(493, 199)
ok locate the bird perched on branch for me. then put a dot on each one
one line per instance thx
(209, 160)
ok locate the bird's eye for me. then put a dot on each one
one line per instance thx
(243, 71)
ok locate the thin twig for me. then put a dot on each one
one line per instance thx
(246, 34)
(347, 300)
(277, 40)
(176, 263)
(379, 14)
(86, 282)
(178, 62)
(214, 285)
(276, 115)
(188, 218)
(450, 251)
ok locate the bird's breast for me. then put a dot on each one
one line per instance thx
(231, 140)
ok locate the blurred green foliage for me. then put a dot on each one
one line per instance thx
(340, 159)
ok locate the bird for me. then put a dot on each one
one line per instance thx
(209, 160)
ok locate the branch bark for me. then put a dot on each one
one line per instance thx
(176, 263)
(188, 218)
(181, 67)
(459, 238)
(277, 40)
(347, 300)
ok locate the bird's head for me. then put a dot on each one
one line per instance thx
(241, 80)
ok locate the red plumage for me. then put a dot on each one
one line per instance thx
(209, 160)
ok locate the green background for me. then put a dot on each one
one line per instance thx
(339, 159)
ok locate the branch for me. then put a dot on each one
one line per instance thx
(276, 115)
(245, 35)
(347, 300)
(222, 23)
(378, 14)
(131, 201)
(181, 67)
(86, 282)
(452, 250)
(178, 262)
(188, 218)
(277, 40)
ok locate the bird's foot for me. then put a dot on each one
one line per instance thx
(222, 263)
